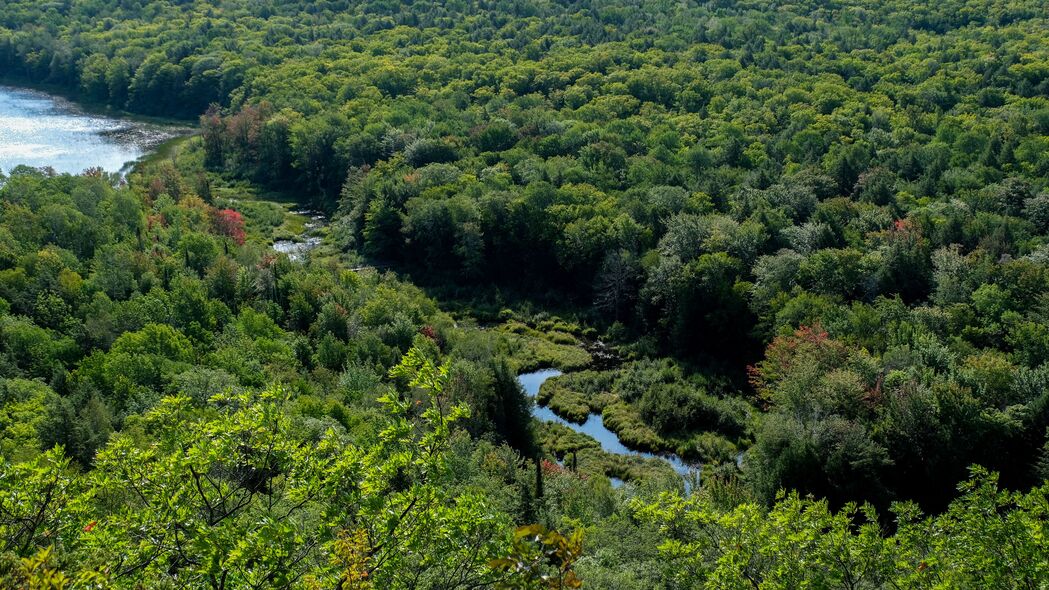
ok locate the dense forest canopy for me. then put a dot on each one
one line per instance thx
(814, 234)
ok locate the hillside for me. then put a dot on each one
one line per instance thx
(803, 245)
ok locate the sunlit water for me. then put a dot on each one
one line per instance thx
(594, 427)
(40, 130)
(301, 246)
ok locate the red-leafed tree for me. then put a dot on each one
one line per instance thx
(229, 223)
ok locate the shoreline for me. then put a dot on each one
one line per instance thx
(90, 107)
(152, 138)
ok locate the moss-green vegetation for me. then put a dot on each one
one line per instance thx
(168, 150)
(581, 453)
(574, 396)
(530, 349)
(652, 406)
(622, 419)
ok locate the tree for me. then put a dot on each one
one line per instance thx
(212, 133)
(699, 297)
(25, 409)
(315, 154)
(498, 135)
(617, 284)
(428, 151)
(40, 503)
(229, 223)
(198, 251)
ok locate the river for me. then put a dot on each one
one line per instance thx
(40, 130)
(594, 427)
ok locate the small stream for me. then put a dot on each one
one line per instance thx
(298, 248)
(594, 427)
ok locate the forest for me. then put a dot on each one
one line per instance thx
(803, 247)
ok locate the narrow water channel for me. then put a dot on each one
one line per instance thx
(298, 247)
(594, 427)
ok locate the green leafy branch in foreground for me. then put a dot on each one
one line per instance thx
(988, 538)
(542, 558)
(243, 493)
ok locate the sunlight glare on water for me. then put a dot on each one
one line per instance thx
(39, 130)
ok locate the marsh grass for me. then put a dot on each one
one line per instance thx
(620, 395)
(561, 442)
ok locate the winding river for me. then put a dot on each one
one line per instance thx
(40, 130)
(594, 427)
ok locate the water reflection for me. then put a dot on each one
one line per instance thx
(40, 130)
(594, 426)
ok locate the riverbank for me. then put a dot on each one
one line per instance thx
(593, 428)
(41, 130)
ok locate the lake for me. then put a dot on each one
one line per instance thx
(37, 129)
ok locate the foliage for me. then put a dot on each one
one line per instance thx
(541, 558)
(240, 493)
(801, 542)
